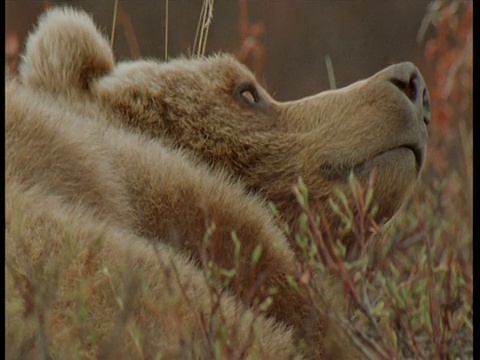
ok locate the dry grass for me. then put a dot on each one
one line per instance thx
(201, 36)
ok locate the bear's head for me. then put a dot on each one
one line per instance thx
(214, 108)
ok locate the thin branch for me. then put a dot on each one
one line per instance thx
(206, 16)
(166, 30)
(114, 23)
(331, 75)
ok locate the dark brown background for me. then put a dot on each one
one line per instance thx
(361, 37)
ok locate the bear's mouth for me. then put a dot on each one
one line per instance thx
(340, 172)
(414, 148)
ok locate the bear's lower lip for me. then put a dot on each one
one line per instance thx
(386, 155)
(341, 173)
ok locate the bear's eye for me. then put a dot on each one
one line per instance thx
(248, 93)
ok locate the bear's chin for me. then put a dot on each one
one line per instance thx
(407, 157)
(392, 175)
(395, 174)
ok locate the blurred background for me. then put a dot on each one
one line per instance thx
(288, 44)
(288, 40)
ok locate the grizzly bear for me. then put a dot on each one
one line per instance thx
(137, 217)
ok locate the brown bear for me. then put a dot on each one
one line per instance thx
(136, 217)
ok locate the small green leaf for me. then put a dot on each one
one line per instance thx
(257, 252)
(291, 281)
(342, 197)
(368, 198)
(334, 206)
(352, 184)
(236, 244)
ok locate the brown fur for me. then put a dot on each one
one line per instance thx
(148, 157)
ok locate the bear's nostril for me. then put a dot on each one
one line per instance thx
(416, 92)
(412, 89)
(409, 88)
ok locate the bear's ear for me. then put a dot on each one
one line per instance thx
(65, 52)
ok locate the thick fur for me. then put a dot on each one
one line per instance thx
(141, 172)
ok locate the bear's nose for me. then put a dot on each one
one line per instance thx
(406, 77)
